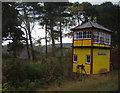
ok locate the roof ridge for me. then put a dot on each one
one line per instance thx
(90, 24)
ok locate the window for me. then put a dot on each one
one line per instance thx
(89, 34)
(82, 35)
(75, 58)
(108, 39)
(96, 37)
(75, 35)
(102, 38)
(88, 59)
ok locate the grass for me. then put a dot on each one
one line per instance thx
(106, 82)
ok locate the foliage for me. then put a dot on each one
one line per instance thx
(21, 75)
(5, 87)
(10, 28)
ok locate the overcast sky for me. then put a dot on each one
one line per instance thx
(95, 1)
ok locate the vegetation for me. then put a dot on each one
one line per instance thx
(19, 74)
(49, 69)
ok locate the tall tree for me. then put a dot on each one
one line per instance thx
(49, 17)
(27, 16)
(10, 27)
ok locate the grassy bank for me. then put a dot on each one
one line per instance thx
(107, 82)
(52, 74)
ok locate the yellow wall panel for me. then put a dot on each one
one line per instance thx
(75, 43)
(101, 45)
(101, 61)
(107, 45)
(95, 44)
(82, 42)
(82, 52)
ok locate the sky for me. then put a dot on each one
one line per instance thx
(95, 1)
(40, 33)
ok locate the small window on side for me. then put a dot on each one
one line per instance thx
(75, 58)
(88, 59)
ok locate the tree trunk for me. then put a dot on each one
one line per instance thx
(46, 38)
(14, 50)
(27, 45)
(53, 41)
(31, 44)
(61, 47)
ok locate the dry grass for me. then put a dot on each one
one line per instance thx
(105, 82)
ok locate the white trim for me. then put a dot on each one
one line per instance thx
(104, 36)
(82, 39)
(75, 36)
(73, 58)
(86, 59)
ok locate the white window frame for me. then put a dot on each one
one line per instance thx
(106, 38)
(79, 35)
(73, 58)
(97, 35)
(109, 39)
(86, 59)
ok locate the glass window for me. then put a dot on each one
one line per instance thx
(108, 39)
(81, 35)
(88, 59)
(89, 34)
(101, 37)
(104, 38)
(75, 58)
(96, 37)
(75, 35)
(84, 34)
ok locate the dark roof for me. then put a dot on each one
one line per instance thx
(89, 25)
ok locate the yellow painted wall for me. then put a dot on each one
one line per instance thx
(101, 45)
(82, 42)
(82, 52)
(101, 61)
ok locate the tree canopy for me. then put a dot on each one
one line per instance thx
(55, 17)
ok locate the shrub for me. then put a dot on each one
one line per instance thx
(24, 75)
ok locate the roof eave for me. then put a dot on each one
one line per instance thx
(89, 28)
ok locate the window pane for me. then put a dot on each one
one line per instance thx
(77, 35)
(84, 34)
(89, 34)
(104, 38)
(88, 59)
(74, 35)
(96, 37)
(80, 34)
(75, 58)
(100, 37)
(109, 39)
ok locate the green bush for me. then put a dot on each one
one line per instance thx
(24, 75)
